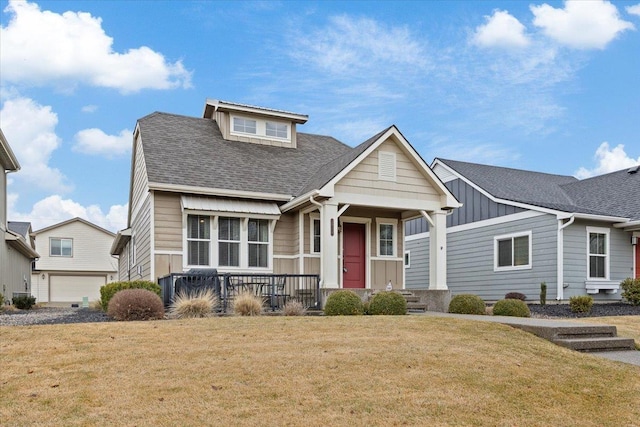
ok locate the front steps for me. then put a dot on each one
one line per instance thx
(414, 304)
(582, 338)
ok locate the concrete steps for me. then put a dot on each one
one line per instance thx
(583, 338)
(414, 303)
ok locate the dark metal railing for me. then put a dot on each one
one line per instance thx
(274, 289)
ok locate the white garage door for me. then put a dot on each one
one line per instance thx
(73, 288)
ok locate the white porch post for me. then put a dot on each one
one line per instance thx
(329, 246)
(438, 251)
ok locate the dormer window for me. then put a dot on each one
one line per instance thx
(277, 130)
(243, 125)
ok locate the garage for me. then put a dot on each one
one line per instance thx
(73, 288)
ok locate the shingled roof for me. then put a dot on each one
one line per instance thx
(181, 150)
(615, 194)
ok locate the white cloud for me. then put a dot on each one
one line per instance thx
(609, 160)
(96, 142)
(30, 130)
(89, 108)
(633, 10)
(40, 47)
(581, 24)
(501, 30)
(54, 209)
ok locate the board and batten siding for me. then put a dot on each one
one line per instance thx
(575, 258)
(470, 260)
(410, 183)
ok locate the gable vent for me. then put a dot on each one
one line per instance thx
(387, 166)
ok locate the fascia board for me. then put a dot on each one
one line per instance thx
(177, 188)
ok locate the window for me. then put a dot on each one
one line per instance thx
(278, 130)
(60, 247)
(512, 252)
(244, 125)
(198, 239)
(315, 236)
(229, 242)
(598, 253)
(387, 229)
(258, 243)
(407, 259)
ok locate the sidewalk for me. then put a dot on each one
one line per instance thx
(631, 357)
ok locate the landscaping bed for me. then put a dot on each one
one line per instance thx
(598, 310)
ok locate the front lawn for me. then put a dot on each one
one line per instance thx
(307, 371)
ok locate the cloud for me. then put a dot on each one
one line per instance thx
(30, 130)
(89, 108)
(581, 24)
(609, 160)
(42, 47)
(633, 10)
(96, 142)
(54, 209)
(501, 30)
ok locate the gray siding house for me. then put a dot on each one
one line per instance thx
(518, 228)
(16, 249)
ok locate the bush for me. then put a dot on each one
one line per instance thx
(581, 304)
(543, 293)
(135, 304)
(198, 304)
(631, 290)
(247, 304)
(467, 304)
(511, 307)
(294, 308)
(343, 303)
(387, 302)
(1, 301)
(23, 302)
(108, 291)
(515, 295)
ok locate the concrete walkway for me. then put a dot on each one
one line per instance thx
(631, 357)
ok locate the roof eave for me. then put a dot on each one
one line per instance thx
(20, 245)
(120, 241)
(221, 192)
(9, 160)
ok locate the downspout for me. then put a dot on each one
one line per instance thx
(319, 205)
(560, 258)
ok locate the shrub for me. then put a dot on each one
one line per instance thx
(467, 304)
(198, 304)
(23, 302)
(294, 308)
(343, 303)
(1, 301)
(581, 304)
(247, 304)
(543, 293)
(388, 302)
(515, 295)
(135, 304)
(631, 290)
(108, 291)
(511, 307)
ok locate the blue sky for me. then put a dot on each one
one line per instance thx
(545, 86)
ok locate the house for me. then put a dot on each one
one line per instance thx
(16, 249)
(520, 228)
(74, 262)
(242, 189)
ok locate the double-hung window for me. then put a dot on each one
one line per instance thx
(60, 247)
(258, 243)
(386, 236)
(229, 242)
(198, 239)
(598, 253)
(512, 251)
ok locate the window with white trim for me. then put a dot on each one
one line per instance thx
(60, 247)
(512, 251)
(229, 242)
(387, 229)
(242, 125)
(258, 243)
(407, 259)
(315, 235)
(277, 130)
(198, 239)
(598, 253)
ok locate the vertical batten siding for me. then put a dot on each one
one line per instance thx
(417, 275)
(383, 271)
(168, 221)
(575, 258)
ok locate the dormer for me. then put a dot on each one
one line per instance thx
(257, 125)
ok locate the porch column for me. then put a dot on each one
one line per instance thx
(438, 251)
(329, 245)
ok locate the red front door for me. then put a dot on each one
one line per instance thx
(638, 261)
(353, 255)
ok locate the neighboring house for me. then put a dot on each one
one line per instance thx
(243, 190)
(16, 250)
(74, 262)
(519, 228)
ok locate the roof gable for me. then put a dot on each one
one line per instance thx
(71, 221)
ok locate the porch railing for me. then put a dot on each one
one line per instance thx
(274, 289)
